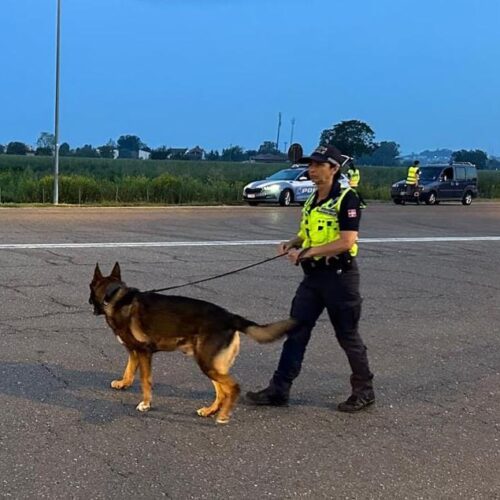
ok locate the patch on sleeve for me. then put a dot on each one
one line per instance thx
(352, 213)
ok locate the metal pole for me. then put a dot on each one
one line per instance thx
(291, 133)
(56, 127)
(278, 137)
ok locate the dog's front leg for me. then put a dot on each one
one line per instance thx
(129, 373)
(145, 361)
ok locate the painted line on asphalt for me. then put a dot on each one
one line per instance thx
(177, 244)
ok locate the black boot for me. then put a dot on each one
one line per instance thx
(267, 397)
(356, 403)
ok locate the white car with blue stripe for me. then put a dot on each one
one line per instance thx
(287, 186)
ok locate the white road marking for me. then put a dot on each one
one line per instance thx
(229, 243)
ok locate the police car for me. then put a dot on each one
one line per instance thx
(290, 185)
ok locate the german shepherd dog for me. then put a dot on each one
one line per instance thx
(146, 322)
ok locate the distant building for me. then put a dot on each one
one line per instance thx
(195, 153)
(143, 154)
(270, 158)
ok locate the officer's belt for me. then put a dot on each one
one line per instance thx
(339, 264)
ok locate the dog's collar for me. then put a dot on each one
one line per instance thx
(111, 291)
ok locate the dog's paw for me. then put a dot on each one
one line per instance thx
(119, 384)
(142, 406)
(222, 420)
(206, 411)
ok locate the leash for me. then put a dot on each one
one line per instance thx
(218, 276)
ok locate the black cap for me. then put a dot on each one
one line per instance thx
(327, 154)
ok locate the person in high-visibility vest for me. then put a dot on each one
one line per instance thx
(412, 180)
(354, 177)
(326, 248)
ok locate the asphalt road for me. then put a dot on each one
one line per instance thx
(431, 321)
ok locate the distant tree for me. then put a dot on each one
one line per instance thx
(2, 149)
(64, 149)
(43, 151)
(160, 153)
(129, 146)
(86, 151)
(212, 155)
(352, 137)
(386, 154)
(249, 153)
(477, 156)
(17, 148)
(268, 147)
(436, 155)
(46, 141)
(107, 150)
(493, 164)
(233, 153)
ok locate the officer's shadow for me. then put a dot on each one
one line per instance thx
(90, 393)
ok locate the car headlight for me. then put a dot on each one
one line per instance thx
(271, 189)
(395, 185)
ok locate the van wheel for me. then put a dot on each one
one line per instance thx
(431, 199)
(286, 198)
(467, 199)
(253, 203)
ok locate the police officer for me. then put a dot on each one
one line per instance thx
(412, 180)
(354, 177)
(326, 248)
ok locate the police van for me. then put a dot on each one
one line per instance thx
(453, 182)
(287, 186)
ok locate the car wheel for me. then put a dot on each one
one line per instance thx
(397, 201)
(286, 198)
(431, 199)
(467, 199)
(253, 203)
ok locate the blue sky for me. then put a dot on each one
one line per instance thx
(217, 72)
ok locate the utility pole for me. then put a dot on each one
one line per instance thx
(291, 133)
(56, 127)
(278, 137)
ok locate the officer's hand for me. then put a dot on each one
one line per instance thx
(293, 255)
(284, 247)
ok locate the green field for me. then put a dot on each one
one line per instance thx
(99, 181)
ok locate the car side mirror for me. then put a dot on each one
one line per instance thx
(302, 178)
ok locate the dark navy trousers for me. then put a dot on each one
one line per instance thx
(338, 293)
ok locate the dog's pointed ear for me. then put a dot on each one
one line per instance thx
(97, 272)
(116, 272)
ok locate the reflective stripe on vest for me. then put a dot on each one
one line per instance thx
(354, 177)
(320, 225)
(412, 175)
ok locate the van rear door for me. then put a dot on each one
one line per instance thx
(461, 182)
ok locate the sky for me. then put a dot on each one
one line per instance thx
(215, 73)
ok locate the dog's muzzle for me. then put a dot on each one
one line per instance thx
(98, 310)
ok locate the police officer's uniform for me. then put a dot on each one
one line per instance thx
(354, 176)
(412, 182)
(329, 283)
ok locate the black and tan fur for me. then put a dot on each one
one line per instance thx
(146, 323)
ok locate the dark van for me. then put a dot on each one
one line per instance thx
(454, 182)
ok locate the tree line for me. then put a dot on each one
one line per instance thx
(353, 137)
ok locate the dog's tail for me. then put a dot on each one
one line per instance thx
(264, 333)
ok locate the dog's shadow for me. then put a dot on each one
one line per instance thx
(90, 393)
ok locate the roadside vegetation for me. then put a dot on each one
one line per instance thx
(102, 181)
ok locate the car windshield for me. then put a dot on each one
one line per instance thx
(284, 175)
(430, 173)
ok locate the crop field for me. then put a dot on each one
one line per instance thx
(100, 181)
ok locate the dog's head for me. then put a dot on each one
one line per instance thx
(102, 286)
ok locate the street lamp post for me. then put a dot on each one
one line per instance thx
(56, 127)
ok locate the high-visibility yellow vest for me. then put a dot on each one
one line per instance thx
(354, 177)
(412, 177)
(320, 225)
